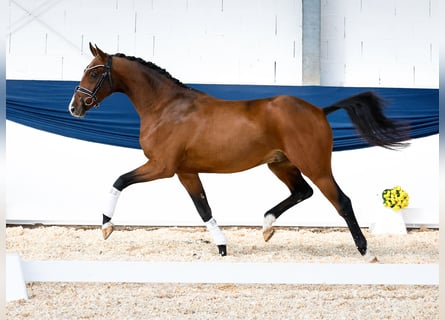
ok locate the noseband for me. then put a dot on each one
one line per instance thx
(92, 99)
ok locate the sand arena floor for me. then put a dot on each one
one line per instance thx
(222, 301)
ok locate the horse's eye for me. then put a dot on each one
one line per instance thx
(93, 74)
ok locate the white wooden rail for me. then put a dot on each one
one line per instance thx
(213, 272)
(228, 272)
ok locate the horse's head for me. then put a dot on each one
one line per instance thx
(91, 89)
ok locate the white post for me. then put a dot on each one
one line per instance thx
(15, 281)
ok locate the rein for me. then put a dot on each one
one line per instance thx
(92, 99)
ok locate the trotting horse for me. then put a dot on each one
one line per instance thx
(184, 132)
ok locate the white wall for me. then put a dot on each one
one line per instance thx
(381, 43)
(197, 41)
(52, 179)
(385, 43)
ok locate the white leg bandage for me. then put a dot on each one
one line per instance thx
(268, 221)
(111, 202)
(215, 231)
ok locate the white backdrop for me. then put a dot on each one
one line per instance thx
(52, 179)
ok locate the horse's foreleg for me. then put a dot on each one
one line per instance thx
(193, 185)
(299, 188)
(109, 207)
(147, 172)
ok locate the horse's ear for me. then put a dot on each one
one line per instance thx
(93, 50)
(100, 53)
(97, 52)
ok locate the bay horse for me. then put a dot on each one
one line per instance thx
(186, 132)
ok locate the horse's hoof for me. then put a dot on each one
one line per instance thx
(107, 229)
(268, 229)
(374, 260)
(370, 258)
(222, 248)
(268, 233)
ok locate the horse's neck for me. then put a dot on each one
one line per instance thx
(146, 89)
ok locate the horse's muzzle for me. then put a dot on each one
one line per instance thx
(75, 109)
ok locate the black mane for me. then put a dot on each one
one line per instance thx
(154, 67)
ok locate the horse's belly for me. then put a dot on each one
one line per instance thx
(226, 161)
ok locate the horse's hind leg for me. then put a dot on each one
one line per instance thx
(193, 185)
(299, 188)
(342, 203)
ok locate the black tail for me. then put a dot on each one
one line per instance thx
(366, 113)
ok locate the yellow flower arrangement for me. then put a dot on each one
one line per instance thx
(395, 198)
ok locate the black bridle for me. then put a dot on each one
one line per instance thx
(92, 99)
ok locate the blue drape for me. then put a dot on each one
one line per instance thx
(44, 105)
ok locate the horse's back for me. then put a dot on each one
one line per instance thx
(297, 116)
(273, 119)
(283, 118)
